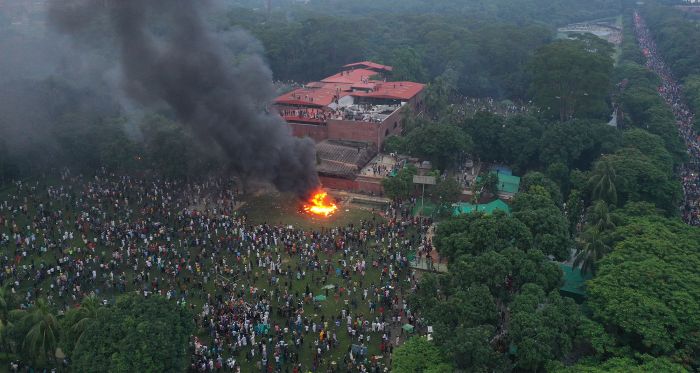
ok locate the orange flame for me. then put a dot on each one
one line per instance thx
(320, 204)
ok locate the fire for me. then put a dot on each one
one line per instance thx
(320, 204)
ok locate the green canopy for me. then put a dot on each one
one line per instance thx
(408, 327)
(320, 298)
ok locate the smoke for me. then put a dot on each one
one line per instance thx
(218, 85)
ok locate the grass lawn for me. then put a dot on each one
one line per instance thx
(285, 209)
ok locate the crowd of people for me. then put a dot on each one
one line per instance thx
(471, 106)
(272, 298)
(672, 93)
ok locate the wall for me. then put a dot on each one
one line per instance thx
(352, 130)
(316, 132)
(338, 183)
(374, 133)
(392, 126)
(361, 184)
(370, 185)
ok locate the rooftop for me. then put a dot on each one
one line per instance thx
(348, 95)
(343, 158)
(403, 91)
(574, 281)
(508, 183)
(351, 76)
(369, 65)
(307, 96)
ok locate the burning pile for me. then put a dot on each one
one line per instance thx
(320, 204)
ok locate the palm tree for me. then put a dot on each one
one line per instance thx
(603, 182)
(599, 217)
(41, 340)
(591, 248)
(85, 315)
(5, 306)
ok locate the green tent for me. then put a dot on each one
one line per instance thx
(508, 183)
(320, 298)
(488, 208)
(574, 283)
(408, 328)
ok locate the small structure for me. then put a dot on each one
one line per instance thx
(574, 283)
(488, 208)
(508, 185)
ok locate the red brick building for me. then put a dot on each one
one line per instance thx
(356, 104)
(349, 115)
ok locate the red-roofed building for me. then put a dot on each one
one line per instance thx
(369, 65)
(356, 104)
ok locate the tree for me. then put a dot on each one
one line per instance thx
(408, 65)
(533, 179)
(648, 364)
(419, 355)
(591, 247)
(487, 128)
(599, 217)
(439, 93)
(394, 144)
(6, 303)
(505, 272)
(477, 233)
(441, 144)
(547, 224)
(647, 290)
(574, 209)
(635, 177)
(602, 182)
(42, 332)
(488, 184)
(77, 320)
(650, 145)
(542, 327)
(571, 79)
(446, 192)
(400, 186)
(137, 334)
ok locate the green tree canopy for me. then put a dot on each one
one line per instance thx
(419, 355)
(647, 291)
(400, 186)
(137, 334)
(441, 144)
(547, 224)
(542, 327)
(571, 79)
(638, 178)
(478, 233)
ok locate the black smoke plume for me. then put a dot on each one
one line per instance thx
(168, 56)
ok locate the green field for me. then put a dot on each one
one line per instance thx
(285, 209)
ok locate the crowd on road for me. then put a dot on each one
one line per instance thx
(672, 93)
(273, 297)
